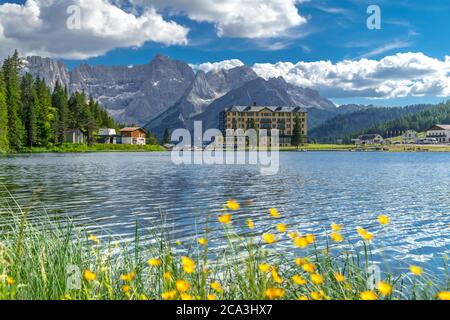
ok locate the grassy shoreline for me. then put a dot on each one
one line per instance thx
(35, 263)
(82, 148)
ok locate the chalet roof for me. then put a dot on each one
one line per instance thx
(132, 129)
(260, 108)
(369, 136)
(440, 127)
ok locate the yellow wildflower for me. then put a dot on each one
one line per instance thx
(202, 241)
(250, 224)
(339, 277)
(301, 261)
(368, 295)
(274, 293)
(128, 277)
(302, 298)
(143, 297)
(316, 278)
(298, 280)
(301, 242)
(216, 286)
(384, 288)
(233, 205)
(337, 227)
(154, 262)
(185, 296)
(444, 295)
(310, 238)
(211, 297)
(125, 289)
(383, 220)
(281, 228)
(317, 295)
(416, 270)
(170, 295)
(274, 213)
(337, 237)
(167, 276)
(276, 277)
(188, 265)
(269, 238)
(182, 285)
(225, 219)
(309, 267)
(365, 234)
(264, 268)
(293, 234)
(94, 239)
(89, 275)
(10, 280)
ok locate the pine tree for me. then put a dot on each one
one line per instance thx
(11, 69)
(166, 138)
(29, 109)
(61, 107)
(46, 113)
(4, 145)
(297, 134)
(88, 119)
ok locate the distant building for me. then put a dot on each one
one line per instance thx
(369, 139)
(410, 136)
(440, 132)
(134, 135)
(265, 117)
(108, 136)
(75, 136)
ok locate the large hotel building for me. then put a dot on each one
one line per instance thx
(281, 118)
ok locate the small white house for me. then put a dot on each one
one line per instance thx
(410, 136)
(440, 132)
(369, 139)
(107, 136)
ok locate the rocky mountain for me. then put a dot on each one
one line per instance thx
(167, 93)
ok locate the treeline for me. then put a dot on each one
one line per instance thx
(345, 126)
(31, 115)
(419, 121)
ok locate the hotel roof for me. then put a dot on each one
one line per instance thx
(260, 108)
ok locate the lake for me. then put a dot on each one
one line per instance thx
(108, 193)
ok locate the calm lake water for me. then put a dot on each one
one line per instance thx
(109, 193)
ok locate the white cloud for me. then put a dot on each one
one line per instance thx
(400, 75)
(238, 18)
(222, 65)
(39, 27)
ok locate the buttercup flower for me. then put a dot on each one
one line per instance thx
(167, 276)
(310, 238)
(316, 278)
(188, 265)
(216, 286)
(416, 270)
(337, 227)
(94, 239)
(384, 288)
(368, 295)
(225, 219)
(316, 295)
(301, 261)
(233, 205)
(250, 224)
(202, 241)
(154, 262)
(10, 280)
(211, 297)
(276, 277)
(383, 220)
(281, 228)
(365, 234)
(444, 295)
(274, 293)
(125, 289)
(302, 298)
(337, 237)
(309, 267)
(339, 277)
(301, 242)
(182, 285)
(299, 280)
(269, 238)
(274, 213)
(185, 296)
(264, 268)
(89, 275)
(170, 295)
(128, 277)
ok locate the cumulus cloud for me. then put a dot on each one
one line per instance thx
(400, 75)
(237, 18)
(222, 65)
(40, 27)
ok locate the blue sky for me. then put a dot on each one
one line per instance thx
(318, 30)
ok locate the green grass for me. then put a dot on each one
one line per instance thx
(79, 148)
(36, 252)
